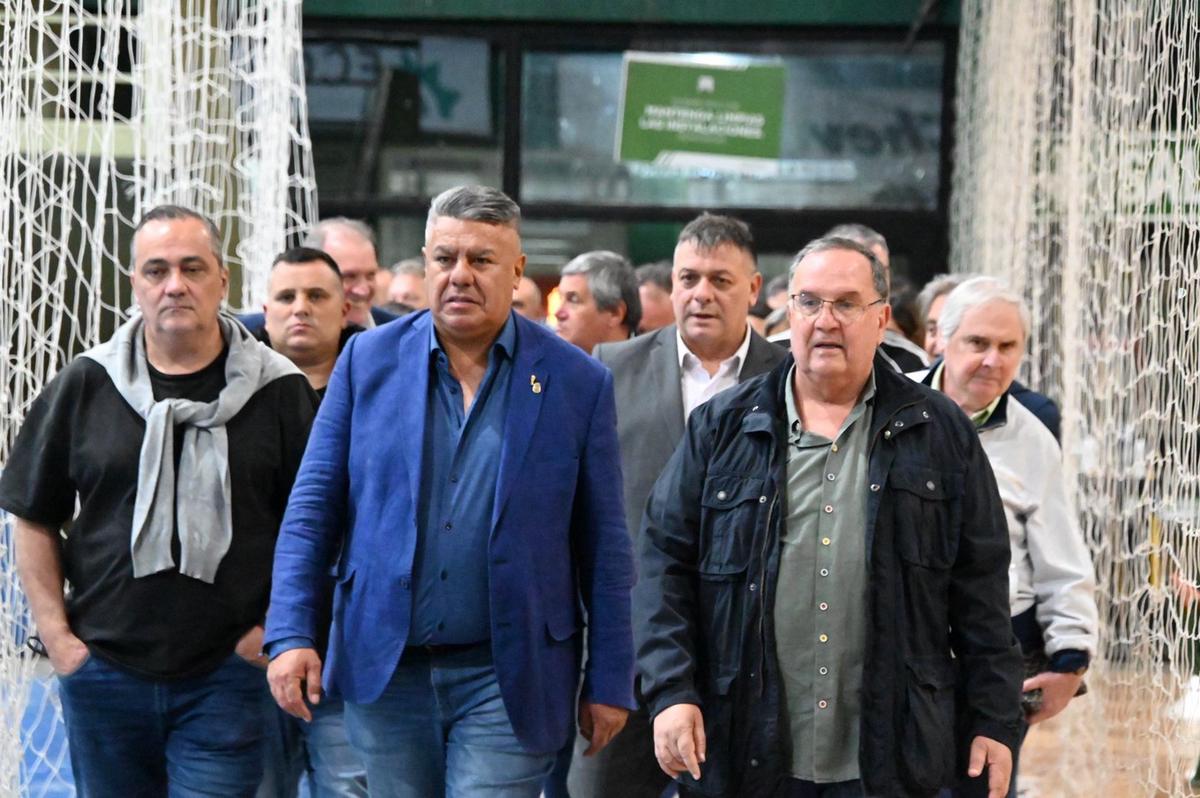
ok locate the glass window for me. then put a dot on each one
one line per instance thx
(402, 119)
(861, 129)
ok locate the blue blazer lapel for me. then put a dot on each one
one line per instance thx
(412, 398)
(526, 393)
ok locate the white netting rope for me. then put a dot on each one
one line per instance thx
(104, 114)
(1077, 178)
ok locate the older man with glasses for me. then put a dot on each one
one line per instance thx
(824, 540)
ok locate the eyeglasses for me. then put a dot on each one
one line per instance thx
(845, 311)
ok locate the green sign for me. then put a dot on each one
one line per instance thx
(693, 112)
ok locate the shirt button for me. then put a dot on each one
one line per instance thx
(930, 485)
(887, 433)
(753, 763)
(830, 477)
(823, 671)
(753, 587)
(829, 508)
(824, 638)
(925, 413)
(825, 541)
(823, 606)
(444, 575)
(441, 626)
(454, 477)
(453, 389)
(721, 495)
(824, 572)
(762, 499)
(875, 488)
(448, 526)
(822, 703)
(834, 447)
(899, 424)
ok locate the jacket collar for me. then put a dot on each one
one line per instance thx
(899, 404)
(999, 416)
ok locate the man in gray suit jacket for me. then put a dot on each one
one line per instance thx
(659, 379)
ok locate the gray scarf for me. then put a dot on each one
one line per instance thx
(198, 499)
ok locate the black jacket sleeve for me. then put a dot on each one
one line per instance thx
(980, 626)
(664, 598)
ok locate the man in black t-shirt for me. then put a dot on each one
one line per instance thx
(171, 449)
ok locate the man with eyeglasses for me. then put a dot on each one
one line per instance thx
(824, 540)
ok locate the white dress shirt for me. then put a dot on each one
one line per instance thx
(696, 384)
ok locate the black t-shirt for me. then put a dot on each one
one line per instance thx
(82, 439)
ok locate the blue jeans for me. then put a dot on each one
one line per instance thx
(131, 736)
(318, 751)
(440, 728)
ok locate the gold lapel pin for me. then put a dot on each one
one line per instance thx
(534, 385)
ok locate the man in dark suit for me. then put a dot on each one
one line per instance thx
(659, 379)
(459, 482)
(351, 244)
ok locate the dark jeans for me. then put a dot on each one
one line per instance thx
(130, 736)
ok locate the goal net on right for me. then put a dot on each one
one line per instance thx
(1077, 178)
(107, 108)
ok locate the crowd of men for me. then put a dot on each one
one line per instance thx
(395, 536)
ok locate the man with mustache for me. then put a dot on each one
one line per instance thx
(458, 482)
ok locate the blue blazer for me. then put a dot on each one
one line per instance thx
(558, 538)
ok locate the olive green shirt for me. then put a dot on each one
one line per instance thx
(821, 597)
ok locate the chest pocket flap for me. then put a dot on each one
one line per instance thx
(731, 505)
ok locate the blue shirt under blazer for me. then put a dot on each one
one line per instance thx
(557, 540)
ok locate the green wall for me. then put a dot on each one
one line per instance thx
(848, 13)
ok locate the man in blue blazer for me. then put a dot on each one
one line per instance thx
(462, 481)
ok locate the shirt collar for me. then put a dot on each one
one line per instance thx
(795, 428)
(738, 358)
(505, 342)
(979, 417)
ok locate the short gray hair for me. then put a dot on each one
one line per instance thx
(474, 204)
(879, 275)
(320, 231)
(178, 213)
(612, 280)
(973, 293)
(940, 285)
(864, 235)
(413, 266)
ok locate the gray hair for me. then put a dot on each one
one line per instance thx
(940, 285)
(864, 235)
(320, 231)
(413, 266)
(611, 280)
(656, 273)
(474, 204)
(176, 213)
(973, 293)
(709, 231)
(879, 275)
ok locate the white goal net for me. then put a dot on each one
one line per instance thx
(1077, 178)
(107, 108)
